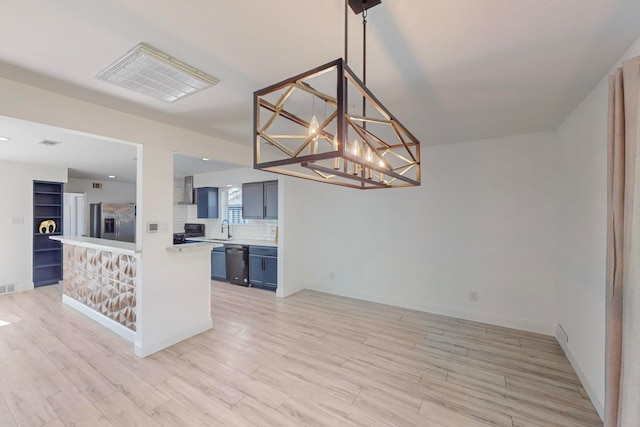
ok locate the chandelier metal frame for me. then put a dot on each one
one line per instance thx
(321, 152)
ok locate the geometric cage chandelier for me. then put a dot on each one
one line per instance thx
(325, 125)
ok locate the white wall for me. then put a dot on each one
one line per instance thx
(16, 219)
(292, 243)
(581, 226)
(232, 176)
(111, 192)
(483, 221)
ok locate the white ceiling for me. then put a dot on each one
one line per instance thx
(451, 71)
(86, 157)
(185, 165)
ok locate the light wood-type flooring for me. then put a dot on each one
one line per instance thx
(310, 359)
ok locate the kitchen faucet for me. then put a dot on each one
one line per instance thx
(228, 228)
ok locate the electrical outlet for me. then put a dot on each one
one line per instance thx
(473, 296)
(17, 220)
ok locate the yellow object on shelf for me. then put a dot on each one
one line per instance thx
(47, 226)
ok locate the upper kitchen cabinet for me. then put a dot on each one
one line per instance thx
(260, 200)
(271, 200)
(207, 202)
(253, 200)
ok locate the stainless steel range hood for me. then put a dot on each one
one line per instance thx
(190, 194)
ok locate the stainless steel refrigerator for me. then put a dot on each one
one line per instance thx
(113, 221)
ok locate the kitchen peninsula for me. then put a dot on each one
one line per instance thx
(103, 280)
(99, 280)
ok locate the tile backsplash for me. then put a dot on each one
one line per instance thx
(257, 229)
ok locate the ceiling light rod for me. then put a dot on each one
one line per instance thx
(360, 6)
(346, 31)
(364, 59)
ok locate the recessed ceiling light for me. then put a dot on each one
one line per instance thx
(5, 138)
(152, 72)
(112, 176)
(206, 159)
(229, 185)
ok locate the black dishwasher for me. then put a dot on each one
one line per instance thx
(237, 263)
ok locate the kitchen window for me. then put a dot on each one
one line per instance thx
(233, 206)
(234, 215)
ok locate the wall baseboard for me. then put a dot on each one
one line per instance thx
(444, 310)
(24, 286)
(288, 292)
(112, 325)
(584, 379)
(144, 350)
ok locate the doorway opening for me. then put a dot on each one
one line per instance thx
(73, 218)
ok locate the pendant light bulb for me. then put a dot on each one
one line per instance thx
(313, 131)
(313, 127)
(369, 156)
(356, 147)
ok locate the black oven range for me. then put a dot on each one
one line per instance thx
(190, 230)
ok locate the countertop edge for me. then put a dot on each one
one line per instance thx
(192, 247)
(115, 246)
(245, 242)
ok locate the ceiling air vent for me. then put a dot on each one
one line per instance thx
(97, 185)
(50, 143)
(151, 72)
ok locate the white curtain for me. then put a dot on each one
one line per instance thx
(622, 376)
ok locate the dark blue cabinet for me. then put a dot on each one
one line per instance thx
(207, 202)
(271, 200)
(263, 267)
(218, 264)
(253, 200)
(256, 274)
(260, 200)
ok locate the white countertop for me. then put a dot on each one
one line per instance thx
(192, 247)
(246, 242)
(102, 244)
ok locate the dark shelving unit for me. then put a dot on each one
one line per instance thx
(47, 254)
